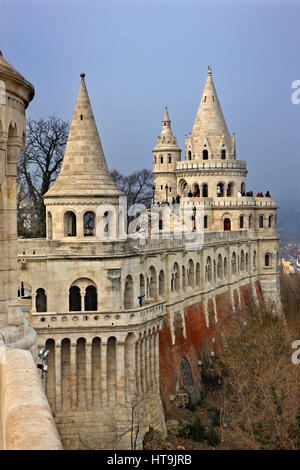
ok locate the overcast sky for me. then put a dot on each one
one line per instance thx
(139, 56)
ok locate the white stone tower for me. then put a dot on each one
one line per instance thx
(166, 154)
(15, 95)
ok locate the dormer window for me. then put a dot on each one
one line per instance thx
(223, 154)
(205, 154)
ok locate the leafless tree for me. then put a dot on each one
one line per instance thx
(40, 164)
(137, 186)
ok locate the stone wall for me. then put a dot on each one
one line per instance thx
(26, 418)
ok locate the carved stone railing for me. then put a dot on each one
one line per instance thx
(211, 165)
(122, 318)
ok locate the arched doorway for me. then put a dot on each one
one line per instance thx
(74, 299)
(90, 298)
(227, 224)
(187, 379)
(41, 301)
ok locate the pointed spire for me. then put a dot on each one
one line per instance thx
(166, 138)
(209, 120)
(84, 170)
(166, 127)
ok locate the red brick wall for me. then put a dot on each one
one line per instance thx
(198, 341)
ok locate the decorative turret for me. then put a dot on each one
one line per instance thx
(84, 183)
(166, 154)
(84, 170)
(209, 139)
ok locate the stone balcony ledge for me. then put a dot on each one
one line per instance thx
(122, 318)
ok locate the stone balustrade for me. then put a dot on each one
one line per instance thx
(123, 318)
(211, 165)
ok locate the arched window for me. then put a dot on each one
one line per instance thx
(161, 283)
(223, 154)
(89, 224)
(175, 281)
(220, 190)
(233, 264)
(90, 299)
(49, 225)
(225, 267)
(74, 299)
(128, 293)
(242, 188)
(196, 190)
(189, 155)
(254, 259)
(191, 274)
(205, 154)
(229, 190)
(227, 224)
(142, 284)
(250, 221)
(41, 301)
(270, 221)
(161, 159)
(220, 267)
(170, 158)
(204, 190)
(241, 221)
(205, 221)
(70, 224)
(247, 262)
(267, 259)
(152, 281)
(242, 264)
(198, 275)
(208, 270)
(183, 278)
(261, 221)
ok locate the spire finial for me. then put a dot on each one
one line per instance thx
(82, 76)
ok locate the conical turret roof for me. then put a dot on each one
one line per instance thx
(166, 138)
(210, 119)
(84, 170)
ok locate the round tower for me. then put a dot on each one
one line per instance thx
(210, 150)
(166, 154)
(15, 95)
(84, 200)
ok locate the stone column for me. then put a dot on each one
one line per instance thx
(58, 375)
(73, 378)
(143, 365)
(104, 373)
(33, 302)
(138, 368)
(89, 387)
(152, 362)
(156, 356)
(82, 294)
(120, 364)
(147, 362)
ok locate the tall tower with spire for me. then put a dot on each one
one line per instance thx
(84, 183)
(166, 154)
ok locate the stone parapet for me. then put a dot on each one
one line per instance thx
(26, 418)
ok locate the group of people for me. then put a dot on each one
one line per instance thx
(261, 194)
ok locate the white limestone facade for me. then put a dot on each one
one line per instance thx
(86, 277)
